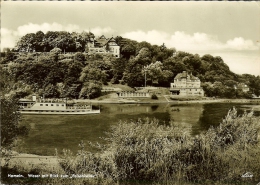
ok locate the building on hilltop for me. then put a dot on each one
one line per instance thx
(103, 45)
(186, 84)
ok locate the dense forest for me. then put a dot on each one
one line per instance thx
(57, 64)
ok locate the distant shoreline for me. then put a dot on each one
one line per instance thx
(169, 101)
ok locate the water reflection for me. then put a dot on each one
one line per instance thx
(131, 108)
(186, 115)
(213, 114)
(53, 131)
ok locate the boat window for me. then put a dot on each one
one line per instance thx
(51, 104)
(62, 105)
(46, 104)
(57, 104)
(41, 104)
(52, 111)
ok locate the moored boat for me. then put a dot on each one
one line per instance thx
(53, 107)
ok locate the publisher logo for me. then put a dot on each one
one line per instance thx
(247, 175)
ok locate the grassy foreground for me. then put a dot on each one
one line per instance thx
(145, 152)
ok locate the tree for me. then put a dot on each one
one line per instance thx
(51, 91)
(208, 89)
(65, 42)
(156, 73)
(27, 43)
(133, 75)
(39, 39)
(92, 73)
(49, 38)
(118, 67)
(91, 89)
(10, 122)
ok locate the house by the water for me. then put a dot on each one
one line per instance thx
(186, 84)
(103, 45)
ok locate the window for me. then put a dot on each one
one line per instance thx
(57, 105)
(46, 104)
(62, 105)
(51, 104)
(41, 104)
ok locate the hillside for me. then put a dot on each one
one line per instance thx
(58, 64)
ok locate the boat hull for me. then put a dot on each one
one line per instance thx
(60, 112)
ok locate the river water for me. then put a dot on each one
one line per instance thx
(50, 132)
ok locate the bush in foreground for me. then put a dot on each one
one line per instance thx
(150, 153)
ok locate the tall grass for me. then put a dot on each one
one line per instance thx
(146, 152)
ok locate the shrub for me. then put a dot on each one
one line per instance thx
(154, 97)
(79, 57)
(56, 50)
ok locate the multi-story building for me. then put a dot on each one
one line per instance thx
(104, 45)
(186, 84)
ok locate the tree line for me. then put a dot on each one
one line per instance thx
(45, 69)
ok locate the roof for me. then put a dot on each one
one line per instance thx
(102, 41)
(184, 74)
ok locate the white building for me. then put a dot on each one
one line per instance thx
(186, 84)
(104, 45)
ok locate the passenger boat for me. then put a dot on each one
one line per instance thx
(53, 107)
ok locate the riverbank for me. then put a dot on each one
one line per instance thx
(162, 99)
(27, 162)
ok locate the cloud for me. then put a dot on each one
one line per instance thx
(240, 43)
(190, 42)
(98, 31)
(10, 37)
(45, 27)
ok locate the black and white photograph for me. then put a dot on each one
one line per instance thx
(130, 92)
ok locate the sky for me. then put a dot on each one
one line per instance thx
(230, 30)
